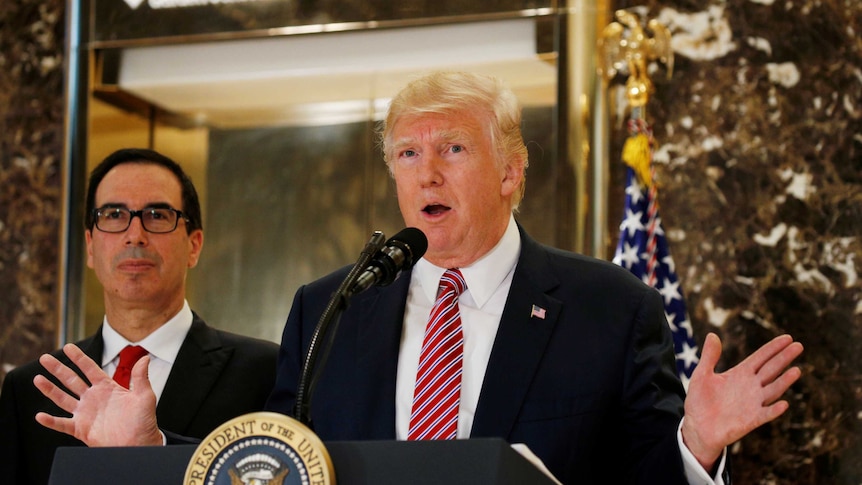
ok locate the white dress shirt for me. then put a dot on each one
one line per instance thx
(163, 345)
(481, 305)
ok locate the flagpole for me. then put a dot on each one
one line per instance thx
(642, 247)
(625, 45)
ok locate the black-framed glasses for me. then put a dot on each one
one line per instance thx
(157, 220)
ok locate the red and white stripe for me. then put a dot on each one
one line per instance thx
(438, 380)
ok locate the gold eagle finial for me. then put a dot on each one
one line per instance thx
(624, 45)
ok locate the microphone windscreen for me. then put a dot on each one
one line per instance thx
(415, 241)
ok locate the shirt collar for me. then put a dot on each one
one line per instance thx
(164, 343)
(484, 276)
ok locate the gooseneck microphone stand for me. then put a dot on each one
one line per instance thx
(325, 327)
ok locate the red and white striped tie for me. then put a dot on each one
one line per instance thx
(438, 380)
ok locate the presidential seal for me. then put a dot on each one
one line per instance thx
(261, 449)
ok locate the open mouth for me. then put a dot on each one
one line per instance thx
(435, 209)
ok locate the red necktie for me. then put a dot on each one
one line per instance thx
(128, 356)
(438, 380)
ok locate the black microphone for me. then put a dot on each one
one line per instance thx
(399, 253)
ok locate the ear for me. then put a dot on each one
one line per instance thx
(88, 235)
(513, 176)
(196, 239)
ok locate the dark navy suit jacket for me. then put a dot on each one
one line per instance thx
(591, 388)
(217, 376)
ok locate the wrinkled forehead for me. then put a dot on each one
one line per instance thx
(449, 125)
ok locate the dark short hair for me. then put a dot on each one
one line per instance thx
(191, 204)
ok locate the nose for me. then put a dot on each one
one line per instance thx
(430, 170)
(135, 235)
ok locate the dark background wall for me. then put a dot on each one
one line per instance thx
(31, 147)
(759, 169)
(760, 172)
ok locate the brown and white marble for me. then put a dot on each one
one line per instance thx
(31, 144)
(760, 166)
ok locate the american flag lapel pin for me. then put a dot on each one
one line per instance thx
(538, 312)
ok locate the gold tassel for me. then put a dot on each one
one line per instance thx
(636, 154)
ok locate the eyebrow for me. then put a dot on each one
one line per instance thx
(455, 134)
(451, 135)
(120, 205)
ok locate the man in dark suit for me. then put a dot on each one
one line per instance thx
(143, 231)
(568, 354)
(565, 353)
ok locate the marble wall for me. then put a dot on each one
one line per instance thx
(760, 166)
(31, 147)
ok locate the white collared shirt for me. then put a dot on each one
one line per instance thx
(481, 305)
(163, 345)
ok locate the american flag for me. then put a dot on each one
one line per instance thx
(538, 312)
(643, 248)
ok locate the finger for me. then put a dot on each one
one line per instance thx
(767, 414)
(65, 375)
(140, 379)
(91, 370)
(778, 363)
(63, 425)
(778, 387)
(58, 396)
(773, 411)
(710, 354)
(770, 349)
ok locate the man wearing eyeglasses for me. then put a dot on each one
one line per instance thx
(143, 233)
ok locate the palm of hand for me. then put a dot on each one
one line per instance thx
(109, 415)
(722, 408)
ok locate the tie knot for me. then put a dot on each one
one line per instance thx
(131, 354)
(452, 281)
(128, 357)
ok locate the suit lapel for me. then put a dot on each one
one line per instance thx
(380, 317)
(520, 343)
(93, 347)
(198, 365)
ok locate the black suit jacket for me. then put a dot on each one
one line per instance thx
(591, 388)
(217, 376)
